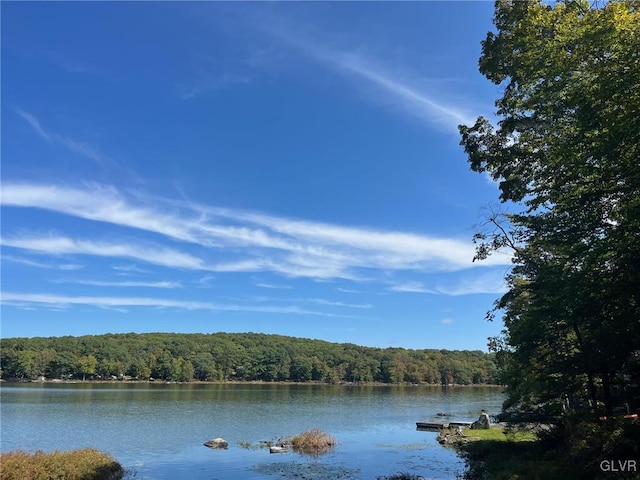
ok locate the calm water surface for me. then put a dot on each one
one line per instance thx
(157, 430)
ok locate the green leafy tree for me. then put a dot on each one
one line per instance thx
(25, 364)
(140, 368)
(567, 149)
(301, 369)
(42, 360)
(205, 367)
(87, 365)
(162, 366)
(64, 363)
(181, 370)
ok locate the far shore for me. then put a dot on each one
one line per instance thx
(245, 382)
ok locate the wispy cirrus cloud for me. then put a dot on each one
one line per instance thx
(333, 303)
(80, 148)
(347, 290)
(426, 100)
(271, 286)
(71, 64)
(76, 67)
(98, 283)
(230, 240)
(34, 263)
(58, 245)
(210, 81)
(28, 300)
(315, 301)
(411, 98)
(127, 269)
(488, 283)
(204, 282)
(422, 95)
(411, 287)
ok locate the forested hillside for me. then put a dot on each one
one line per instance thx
(236, 357)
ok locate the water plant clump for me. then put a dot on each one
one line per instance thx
(402, 476)
(312, 470)
(312, 442)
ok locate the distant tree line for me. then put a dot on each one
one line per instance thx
(236, 357)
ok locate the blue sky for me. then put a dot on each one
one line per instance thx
(289, 168)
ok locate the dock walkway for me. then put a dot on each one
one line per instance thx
(441, 425)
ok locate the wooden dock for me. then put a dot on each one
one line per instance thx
(440, 425)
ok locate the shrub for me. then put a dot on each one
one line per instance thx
(588, 443)
(85, 464)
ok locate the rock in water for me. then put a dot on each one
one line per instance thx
(277, 449)
(217, 443)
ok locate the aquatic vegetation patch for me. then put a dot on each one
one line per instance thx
(85, 464)
(308, 471)
(259, 445)
(401, 476)
(312, 442)
(406, 446)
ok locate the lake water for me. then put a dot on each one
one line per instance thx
(157, 430)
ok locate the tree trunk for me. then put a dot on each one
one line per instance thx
(591, 388)
(606, 390)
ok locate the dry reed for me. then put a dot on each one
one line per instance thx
(313, 442)
(85, 464)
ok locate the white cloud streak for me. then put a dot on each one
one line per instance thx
(489, 283)
(57, 245)
(127, 269)
(272, 286)
(98, 283)
(75, 146)
(34, 263)
(413, 100)
(485, 284)
(412, 287)
(23, 300)
(210, 82)
(239, 241)
(397, 89)
(347, 290)
(322, 301)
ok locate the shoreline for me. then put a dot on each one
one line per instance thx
(56, 381)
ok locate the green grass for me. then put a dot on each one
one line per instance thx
(571, 451)
(511, 454)
(85, 464)
(501, 435)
